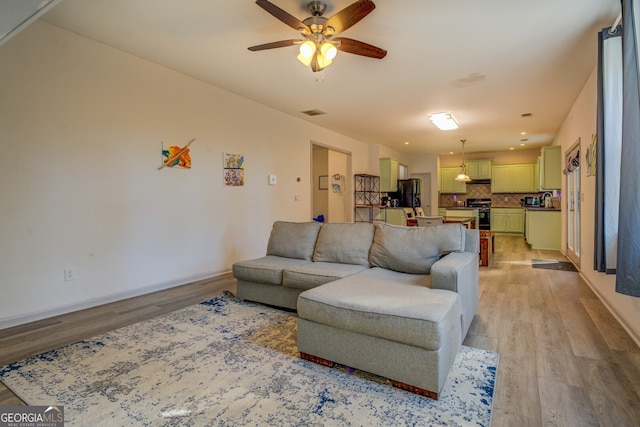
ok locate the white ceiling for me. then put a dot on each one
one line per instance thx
(486, 61)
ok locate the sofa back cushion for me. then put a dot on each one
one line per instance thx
(414, 249)
(344, 243)
(293, 239)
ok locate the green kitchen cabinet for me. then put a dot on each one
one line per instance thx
(507, 220)
(448, 183)
(513, 178)
(550, 168)
(543, 229)
(388, 174)
(479, 169)
(396, 216)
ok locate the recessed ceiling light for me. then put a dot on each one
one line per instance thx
(521, 145)
(511, 148)
(406, 143)
(523, 133)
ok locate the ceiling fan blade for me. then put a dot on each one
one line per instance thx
(360, 48)
(273, 45)
(350, 15)
(280, 14)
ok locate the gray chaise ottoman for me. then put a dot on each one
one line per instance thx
(386, 323)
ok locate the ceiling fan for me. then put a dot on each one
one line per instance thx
(320, 45)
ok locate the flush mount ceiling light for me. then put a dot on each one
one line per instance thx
(444, 121)
(319, 47)
(462, 176)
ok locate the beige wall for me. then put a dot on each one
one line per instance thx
(581, 124)
(82, 129)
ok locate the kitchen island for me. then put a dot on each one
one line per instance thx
(460, 211)
(543, 229)
(466, 221)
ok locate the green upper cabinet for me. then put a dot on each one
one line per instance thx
(513, 178)
(550, 168)
(479, 169)
(388, 174)
(448, 183)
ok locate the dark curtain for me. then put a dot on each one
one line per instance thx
(609, 141)
(628, 268)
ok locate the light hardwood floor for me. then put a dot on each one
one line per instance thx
(564, 359)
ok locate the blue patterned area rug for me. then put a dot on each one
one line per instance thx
(226, 362)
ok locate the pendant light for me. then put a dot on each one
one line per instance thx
(462, 176)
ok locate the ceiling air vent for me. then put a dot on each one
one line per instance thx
(314, 112)
(526, 114)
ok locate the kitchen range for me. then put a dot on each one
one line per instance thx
(484, 212)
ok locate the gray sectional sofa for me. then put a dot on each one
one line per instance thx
(393, 301)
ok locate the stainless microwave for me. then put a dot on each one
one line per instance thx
(532, 201)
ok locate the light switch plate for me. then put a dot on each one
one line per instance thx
(273, 180)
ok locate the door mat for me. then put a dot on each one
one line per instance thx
(549, 264)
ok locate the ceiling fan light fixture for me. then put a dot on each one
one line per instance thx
(329, 51)
(444, 121)
(307, 50)
(323, 61)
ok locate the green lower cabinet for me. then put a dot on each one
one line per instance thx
(507, 220)
(396, 216)
(543, 229)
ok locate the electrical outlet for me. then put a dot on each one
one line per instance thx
(273, 180)
(69, 274)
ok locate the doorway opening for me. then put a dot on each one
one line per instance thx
(331, 184)
(572, 160)
(425, 192)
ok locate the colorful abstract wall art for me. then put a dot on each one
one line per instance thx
(233, 170)
(174, 156)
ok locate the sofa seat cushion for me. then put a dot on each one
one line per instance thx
(267, 269)
(293, 239)
(414, 249)
(396, 311)
(314, 274)
(344, 243)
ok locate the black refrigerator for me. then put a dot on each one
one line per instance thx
(408, 193)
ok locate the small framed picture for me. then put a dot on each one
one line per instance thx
(323, 182)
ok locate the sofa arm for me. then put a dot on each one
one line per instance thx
(459, 272)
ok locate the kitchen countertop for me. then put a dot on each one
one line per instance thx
(529, 208)
(457, 208)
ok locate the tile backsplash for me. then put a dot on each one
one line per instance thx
(483, 191)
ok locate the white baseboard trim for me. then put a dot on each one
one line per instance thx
(9, 322)
(625, 325)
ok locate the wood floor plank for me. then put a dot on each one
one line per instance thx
(564, 360)
(565, 406)
(612, 396)
(612, 332)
